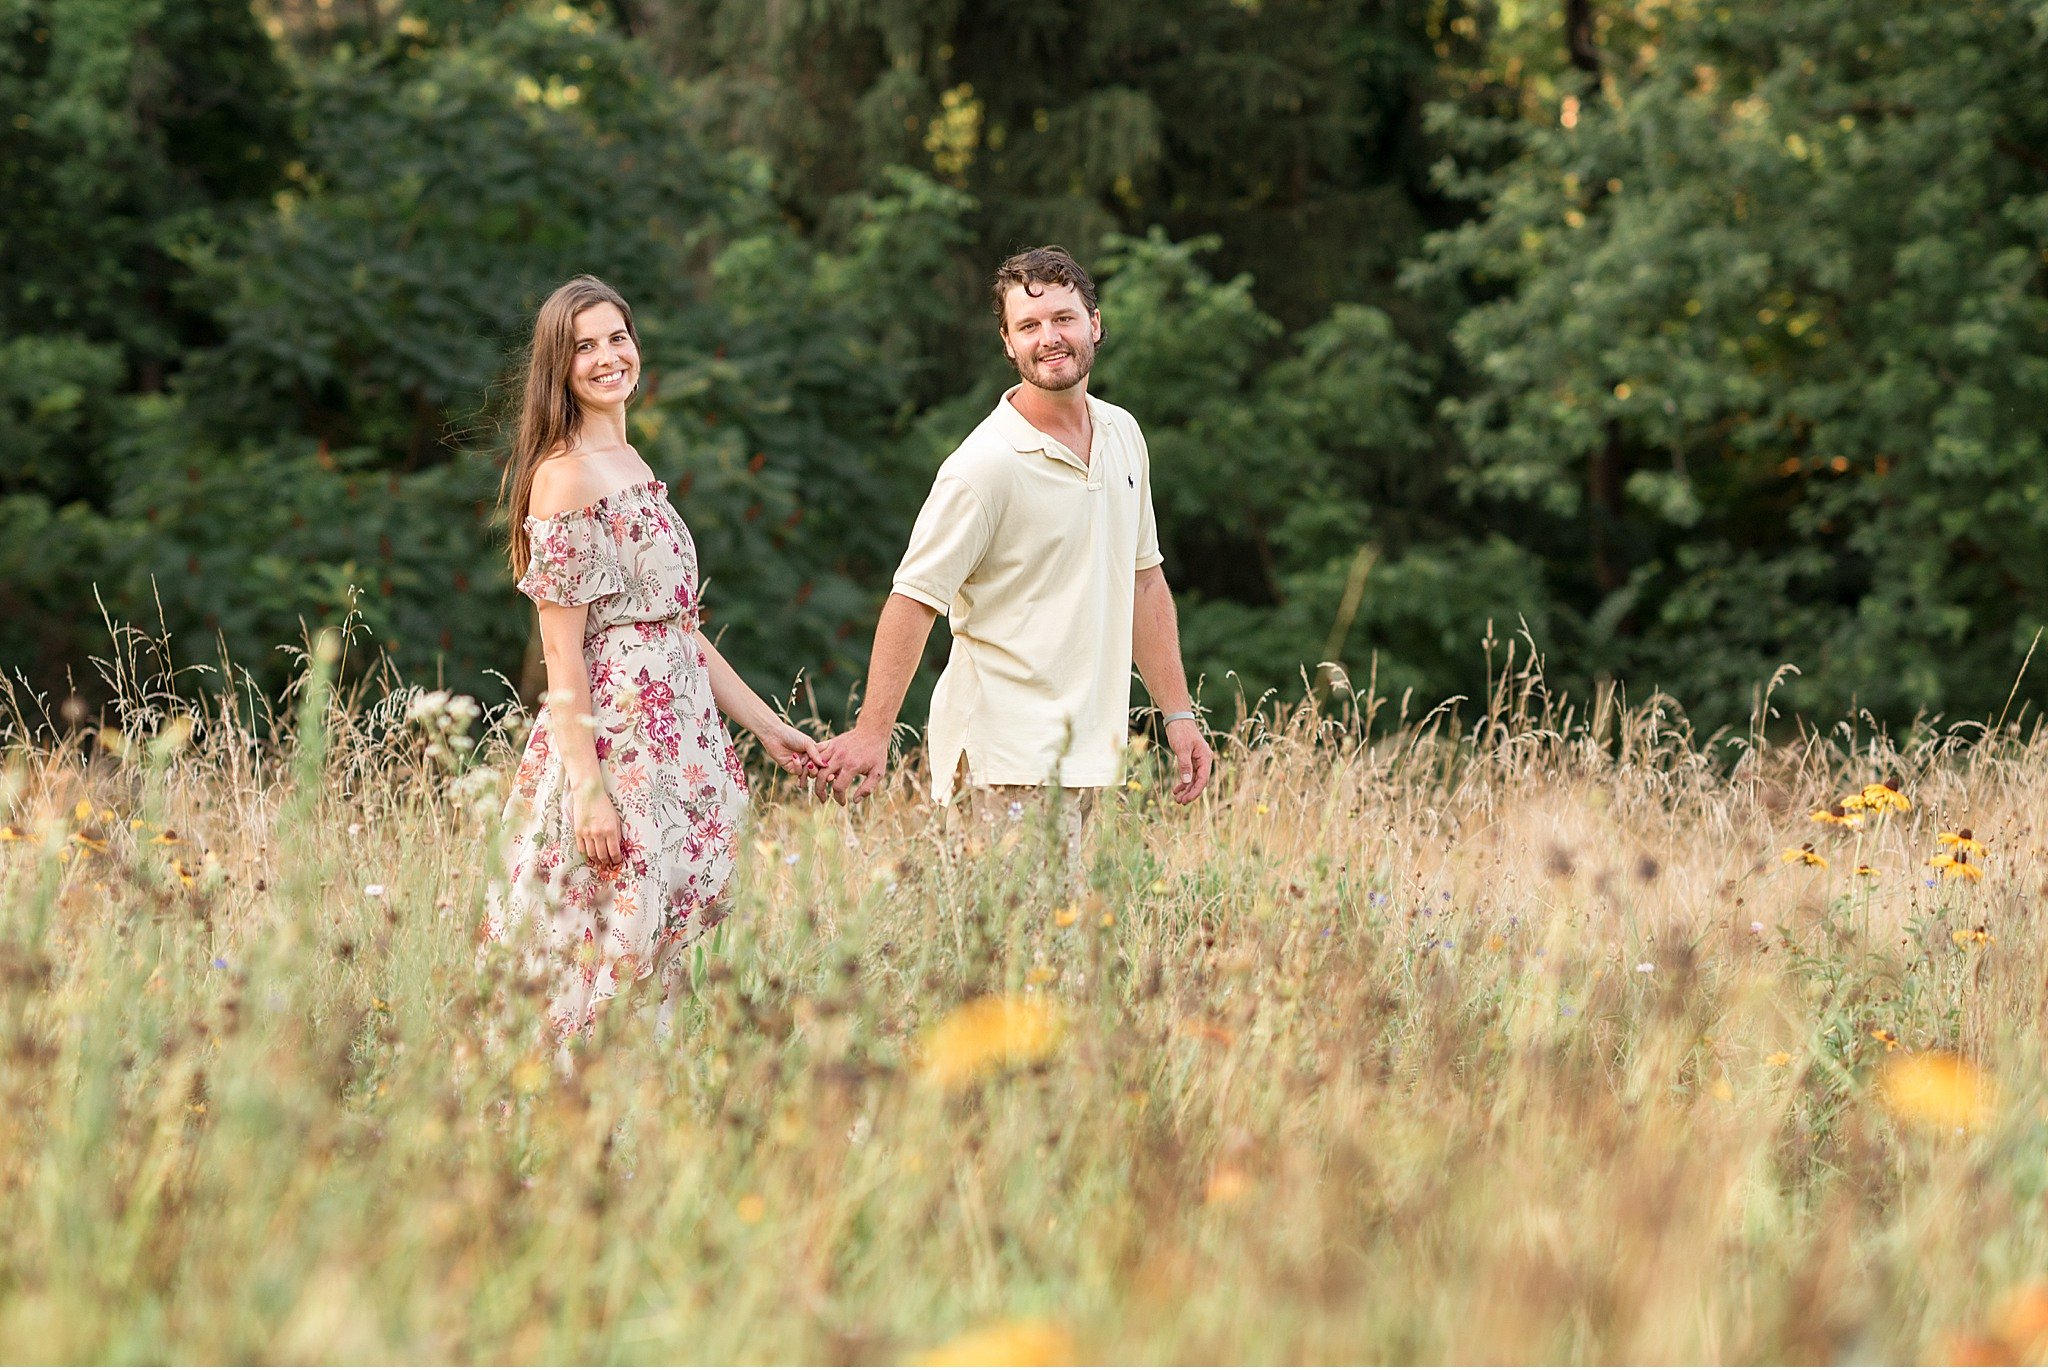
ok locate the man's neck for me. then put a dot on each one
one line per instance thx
(1053, 411)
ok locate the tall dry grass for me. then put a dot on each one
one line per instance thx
(1509, 1038)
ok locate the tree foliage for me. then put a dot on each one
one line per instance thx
(1686, 339)
(1771, 332)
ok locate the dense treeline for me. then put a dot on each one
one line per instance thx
(1696, 339)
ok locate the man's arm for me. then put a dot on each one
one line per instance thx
(859, 758)
(1155, 647)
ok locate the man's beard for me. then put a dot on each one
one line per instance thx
(1083, 358)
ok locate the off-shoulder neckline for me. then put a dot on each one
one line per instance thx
(600, 500)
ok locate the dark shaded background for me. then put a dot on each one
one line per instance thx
(1689, 339)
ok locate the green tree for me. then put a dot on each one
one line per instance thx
(128, 128)
(1288, 127)
(447, 183)
(1768, 347)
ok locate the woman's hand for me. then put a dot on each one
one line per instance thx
(598, 833)
(790, 747)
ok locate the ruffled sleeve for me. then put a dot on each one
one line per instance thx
(573, 560)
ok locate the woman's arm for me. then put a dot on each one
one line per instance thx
(791, 749)
(571, 714)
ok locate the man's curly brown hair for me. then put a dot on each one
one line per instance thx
(1035, 270)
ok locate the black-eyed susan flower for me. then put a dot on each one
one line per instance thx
(1837, 817)
(9, 833)
(1886, 797)
(1954, 868)
(1886, 1037)
(1867, 870)
(1853, 803)
(1963, 843)
(1971, 937)
(1804, 855)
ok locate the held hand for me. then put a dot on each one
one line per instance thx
(598, 833)
(790, 748)
(1191, 757)
(854, 763)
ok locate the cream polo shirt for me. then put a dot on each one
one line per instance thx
(1032, 555)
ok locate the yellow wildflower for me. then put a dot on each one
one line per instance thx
(751, 1209)
(1885, 797)
(81, 811)
(1938, 1090)
(1838, 817)
(1886, 1036)
(1963, 843)
(9, 833)
(1953, 868)
(1034, 1342)
(985, 1034)
(1804, 854)
(1977, 936)
(1866, 869)
(1778, 1058)
(1066, 917)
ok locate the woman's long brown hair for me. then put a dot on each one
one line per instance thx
(549, 415)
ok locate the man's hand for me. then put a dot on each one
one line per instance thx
(852, 764)
(1192, 758)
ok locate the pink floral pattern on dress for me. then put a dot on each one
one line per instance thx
(667, 763)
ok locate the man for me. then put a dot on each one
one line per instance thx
(1039, 544)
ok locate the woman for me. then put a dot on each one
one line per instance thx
(620, 825)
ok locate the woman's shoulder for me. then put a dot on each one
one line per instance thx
(563, 483)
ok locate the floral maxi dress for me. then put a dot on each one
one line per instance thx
(666, 760)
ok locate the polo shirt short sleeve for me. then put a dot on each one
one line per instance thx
(1148, 525)
(946, 544)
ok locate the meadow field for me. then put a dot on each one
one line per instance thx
(1516, 1031)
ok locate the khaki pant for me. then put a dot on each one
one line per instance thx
(994, 811)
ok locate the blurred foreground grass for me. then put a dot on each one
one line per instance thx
(1534, 1039)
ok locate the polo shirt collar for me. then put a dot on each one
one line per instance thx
(1023, 436)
